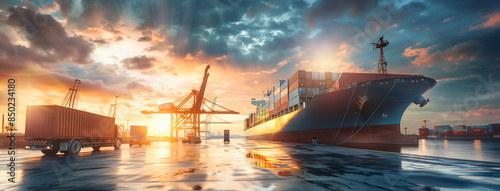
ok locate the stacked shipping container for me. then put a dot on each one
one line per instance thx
(495, 130)
(491, 130)
(299, 88)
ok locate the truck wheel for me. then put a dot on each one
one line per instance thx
(75, 147)
(96, 148)
(50, 152)
(118, 143)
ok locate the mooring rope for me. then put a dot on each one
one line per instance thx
(359, 113)
(349, 104)
(369, 117)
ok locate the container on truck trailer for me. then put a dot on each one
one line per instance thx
(226, 136)
(139, 135)
(53, 128)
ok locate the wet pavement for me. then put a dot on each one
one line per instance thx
(246, 165)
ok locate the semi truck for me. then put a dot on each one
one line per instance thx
(190, 137)
(52, 129)
(138, 135)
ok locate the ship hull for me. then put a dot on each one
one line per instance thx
(381, 134)
(342, 117)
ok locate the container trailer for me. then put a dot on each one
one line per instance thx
(138, 135)
(53, 128)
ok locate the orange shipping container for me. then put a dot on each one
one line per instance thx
(53, 121)
(328, 76)
(300, 74)
(293, 86)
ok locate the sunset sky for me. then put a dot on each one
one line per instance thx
(151, 52)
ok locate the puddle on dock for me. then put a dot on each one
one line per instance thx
(249, 165)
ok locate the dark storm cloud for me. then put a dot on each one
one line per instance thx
(46, 35)
(100, 14)
(144, 38)
(100, 41)
(65, 7)
(186, 23)
(139, 62)
(323, 10)
(19, 56)
(214, 28)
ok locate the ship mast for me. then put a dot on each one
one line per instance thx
(382, 64)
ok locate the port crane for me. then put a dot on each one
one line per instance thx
(188, 118)
(208, 120)
(71, 99)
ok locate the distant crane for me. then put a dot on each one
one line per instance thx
(71, 99)
(206, 128)
(112, 109)
(189, 118)
(382, 64)
(425, 123)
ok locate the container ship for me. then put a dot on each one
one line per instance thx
(338, 108)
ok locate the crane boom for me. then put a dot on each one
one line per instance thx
(71, 99)
(201, 93)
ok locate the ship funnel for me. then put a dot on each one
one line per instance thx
(421, 101)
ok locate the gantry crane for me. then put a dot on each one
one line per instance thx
(71, 99)
(206, 128)
(189, 118)
(208, 119)
(112, 109)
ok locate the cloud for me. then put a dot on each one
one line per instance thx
(448, 19)
(188, 57)
(459, 52)
(139, 63)
(48, 36)
(105, 15)
(492, 22)
(395, 26)
(422, 55)
(139, 86)
(18, 57)
(65, 7)
(283, 63)
(481, 112)
(324, 10)
(100, 41)
(144, 39)
(151, 36)
(160, 46)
